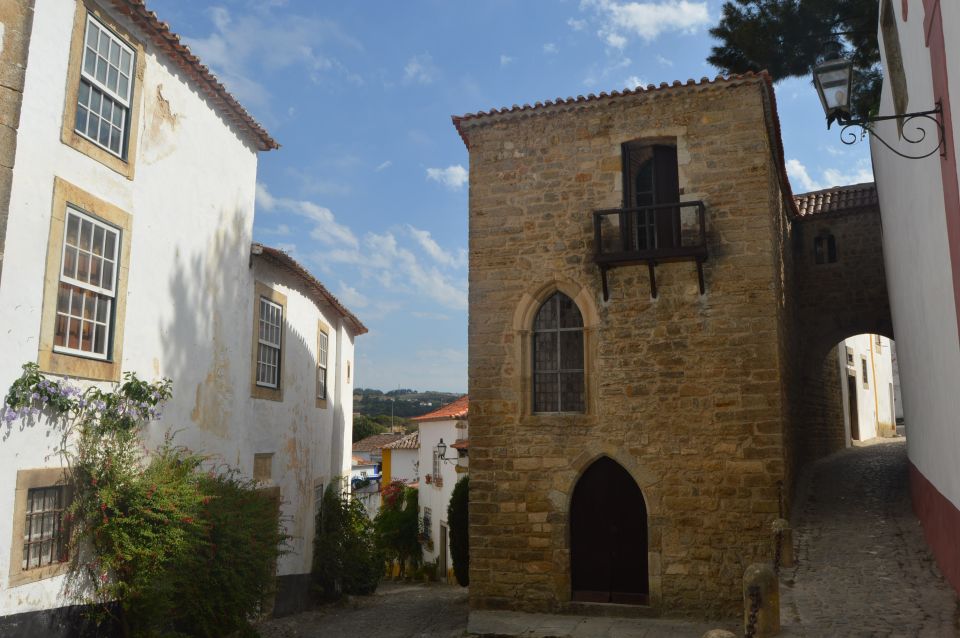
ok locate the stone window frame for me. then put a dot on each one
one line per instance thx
(125, 165)
(26, 481)
(70, 364)
(323, 330)
(523, 320)
(261, 289)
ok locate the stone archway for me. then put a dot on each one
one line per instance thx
(608, 537)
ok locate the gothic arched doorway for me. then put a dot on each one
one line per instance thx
(608, 537)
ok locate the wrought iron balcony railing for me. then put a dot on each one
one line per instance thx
(651, 235)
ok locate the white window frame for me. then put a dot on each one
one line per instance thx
(107, 295)
(323, 351)
(267, 343)
(119, 99)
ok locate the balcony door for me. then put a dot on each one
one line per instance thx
(650, 177)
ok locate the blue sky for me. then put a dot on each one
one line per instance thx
(369, 189)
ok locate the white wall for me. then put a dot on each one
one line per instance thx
(403, 465)
(189, 308)
(438, 498)
(874, 411)
(919, 273)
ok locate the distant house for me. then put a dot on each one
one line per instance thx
(868, 387)
(442, 458)
(401, 459)
(371, 447)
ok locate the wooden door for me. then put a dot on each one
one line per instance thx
(608, 537)
(854, 416)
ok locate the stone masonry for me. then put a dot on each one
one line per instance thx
(16, 20)
(699, 397)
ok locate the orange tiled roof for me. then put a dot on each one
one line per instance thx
(455, 410)
(320, 293)
(375, 442)
(359, 460)
(839, 199)
(705, 82)
(169, 42)
(409, 442)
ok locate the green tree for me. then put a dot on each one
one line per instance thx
(397, 525)
(787, 38)
(458, 517)
(364, 426)
(346, 559)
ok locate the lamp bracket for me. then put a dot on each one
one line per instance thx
(913, 130)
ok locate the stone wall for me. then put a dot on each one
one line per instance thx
(685, 390)
(16, 19)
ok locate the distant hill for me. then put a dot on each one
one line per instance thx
(405, 403)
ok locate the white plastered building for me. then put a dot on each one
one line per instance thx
(127, 182)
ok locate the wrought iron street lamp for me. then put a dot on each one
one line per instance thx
(834, 81)
(442, 451)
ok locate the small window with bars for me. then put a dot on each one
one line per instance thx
(558, 382)
(863, 367)
(322, 366)
(44, 537)
(268, 346)
(106, 87)
(88, 282)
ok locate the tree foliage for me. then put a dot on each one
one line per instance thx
(458, 517)
(397, 524)
(364, 426)
(787, 38)
(346, 559)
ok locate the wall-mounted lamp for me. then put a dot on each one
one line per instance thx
(834, 81)
(442, 452)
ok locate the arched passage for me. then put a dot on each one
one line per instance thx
(608, 537)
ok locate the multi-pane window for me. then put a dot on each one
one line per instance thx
(43, 531)
(558, 384)
(650, 178)
(322, 366)
(88, 282)
(106, 85)
(268, 348)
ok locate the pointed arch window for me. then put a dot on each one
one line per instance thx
(558, 383)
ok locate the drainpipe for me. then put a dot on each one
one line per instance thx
(876, 400)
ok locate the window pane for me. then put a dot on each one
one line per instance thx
(114, 54)
(86, 234)
(545, 351)
(98, 234)
(112, 76)
(110, 246)
(89, 62)
(107, 282)
(547, 315)
(546, 393)
(70, 262)
(86, 337)
(100, 338)
(123, 87)
(125, 59)
(571, 391)
(569, 313)
(571, 350)
(83, 267)
(73, 229)
(81, 122)
(92, 33)
(101, 73)
(104, 47)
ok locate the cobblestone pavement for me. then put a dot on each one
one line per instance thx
(396, 610)
(863, 566)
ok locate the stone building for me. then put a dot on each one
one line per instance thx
(638, 362)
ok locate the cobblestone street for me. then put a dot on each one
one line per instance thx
(863, 567)
(396, 610)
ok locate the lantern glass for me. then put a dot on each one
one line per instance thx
(441, 449)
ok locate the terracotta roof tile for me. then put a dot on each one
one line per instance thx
(169, 42)
(359, 460)
(836, 200)
(456, 410)
(319, 292)
(409, 442)
(375, 442)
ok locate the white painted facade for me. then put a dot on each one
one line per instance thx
(190, 297)
(435, 495)
(875, 405)
(404, 465)
(916, 248)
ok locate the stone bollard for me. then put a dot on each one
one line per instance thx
(761, 601)
(783, 534)
(719, 633)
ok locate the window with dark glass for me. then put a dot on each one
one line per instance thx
(558, 356)
(650, 178)
(43, 532)
(825, 249)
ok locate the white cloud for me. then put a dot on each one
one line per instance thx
(664, 61)
(505, 59)
(550, 48)
(619, 21)
(577, 25)
(802, 181)
(432, 248)
(241, 46)
(383, 166)
(351, 296)
(326, 229)
(420, 69)
(453, 177)
(282, 230)
(633, 82)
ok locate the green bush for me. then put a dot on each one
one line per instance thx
(346, 559)
(397, 525)
(458, 518)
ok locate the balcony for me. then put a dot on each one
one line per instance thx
(652, 235)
